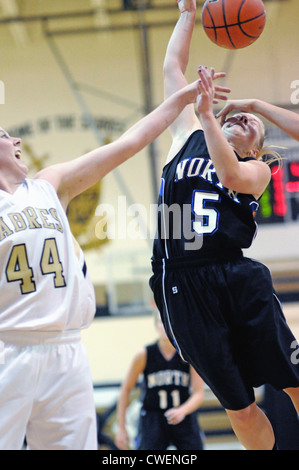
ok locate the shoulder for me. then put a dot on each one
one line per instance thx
(40, 184)
(140, 358)
(261, 167)
(52, 177)
(151, 346)
(256, 176)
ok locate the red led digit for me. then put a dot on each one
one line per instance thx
(279, 207)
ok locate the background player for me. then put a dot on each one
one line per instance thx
(167, 415)
(46, 296)
(218, 307)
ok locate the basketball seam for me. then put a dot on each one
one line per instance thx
(212, 27)
(226, 25)
(240, 22)
(235, 24)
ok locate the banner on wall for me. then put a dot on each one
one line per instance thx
(82, 209)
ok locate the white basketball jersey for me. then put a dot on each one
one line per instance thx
(44, 284)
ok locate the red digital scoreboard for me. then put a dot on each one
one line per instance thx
(280, 202)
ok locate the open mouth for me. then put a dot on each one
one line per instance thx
(238, 123)
(18, 154)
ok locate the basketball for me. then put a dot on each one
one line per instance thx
(233, 24)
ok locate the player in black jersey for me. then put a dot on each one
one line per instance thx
(219, 308)
(168, 414)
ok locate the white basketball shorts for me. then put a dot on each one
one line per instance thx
(46, 392)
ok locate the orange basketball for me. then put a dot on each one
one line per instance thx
(233, 24)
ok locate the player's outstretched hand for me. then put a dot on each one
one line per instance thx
(186, 5)
(240, 105)
(207, 91)
(219, 90)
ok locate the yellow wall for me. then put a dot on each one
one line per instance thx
(112, 343)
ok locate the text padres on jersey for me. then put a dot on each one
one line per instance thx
(29, 218)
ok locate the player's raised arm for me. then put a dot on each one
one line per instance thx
(174, 68)
(71, 178)
(176, 62)
(247, 176)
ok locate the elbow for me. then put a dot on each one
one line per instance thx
(172, 65)
(228, 180)
(201, 397)
(168, 67)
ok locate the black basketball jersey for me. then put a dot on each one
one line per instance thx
(166, 383)
(196, 213)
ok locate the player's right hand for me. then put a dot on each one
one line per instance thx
(122, 439)
(234, 105)
(186, 5)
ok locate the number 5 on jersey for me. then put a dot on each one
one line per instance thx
(18, 268)
(206, 221)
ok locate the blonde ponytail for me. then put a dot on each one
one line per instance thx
(270, 156)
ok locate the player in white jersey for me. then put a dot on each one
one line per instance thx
(46, 296)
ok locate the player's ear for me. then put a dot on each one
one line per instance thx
(254, 153)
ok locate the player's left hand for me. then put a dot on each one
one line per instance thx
(207, 91)
(174, 415)
(219, 90)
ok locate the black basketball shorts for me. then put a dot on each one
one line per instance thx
(155, 433)
(227, 322)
